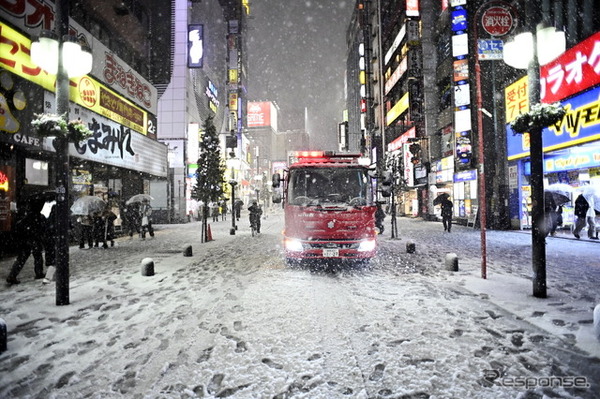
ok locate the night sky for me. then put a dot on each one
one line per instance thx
(296, 56)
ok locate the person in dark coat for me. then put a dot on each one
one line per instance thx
(109, 219)
(255, 214)
(214, 211)
(379, 217)
(551, 214)
(86, 231)
(581, 210)
(29, 232)
(99, 229)
(132, 219)
(447, 206)
(238, 208)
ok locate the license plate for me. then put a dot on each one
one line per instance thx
(331, 252)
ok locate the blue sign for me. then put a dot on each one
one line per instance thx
(465, 175)
(459, 20)
(580, 125)
(490, 49)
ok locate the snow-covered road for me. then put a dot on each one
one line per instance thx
(234, 321)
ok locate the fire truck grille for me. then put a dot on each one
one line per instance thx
(338, 245)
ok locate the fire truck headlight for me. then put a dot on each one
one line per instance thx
(292, 244)
(366, 246)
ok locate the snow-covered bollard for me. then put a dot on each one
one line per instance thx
(597, 322)
(187, 251)
(3, 336)
(410, 247)
(452, 262)
(49, 275)
(147, 267)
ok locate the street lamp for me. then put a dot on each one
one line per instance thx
(233, 215)
(529, 50)
(60, 54)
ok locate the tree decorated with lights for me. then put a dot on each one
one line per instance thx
(211, 170)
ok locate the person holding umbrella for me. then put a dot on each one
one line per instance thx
(443, 200)
(555, 196)
(146, 217)
(447, 206)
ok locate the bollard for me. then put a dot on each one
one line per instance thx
(147, 267)
(187, 251)
(452, 262)
(3, 336)
(50, 273)
(597, 322)
(410, 247)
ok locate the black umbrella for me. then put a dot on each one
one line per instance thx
(438, 200)
(37, 201)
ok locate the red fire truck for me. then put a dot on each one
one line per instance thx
(329, 207)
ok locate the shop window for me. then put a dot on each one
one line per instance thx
(36, 172)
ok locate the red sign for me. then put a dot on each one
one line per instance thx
(259, 114)
(497, 20)
(402, 139)
(575, 70)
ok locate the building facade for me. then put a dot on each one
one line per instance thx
(208, 80)
(442, 98)
(117, 101)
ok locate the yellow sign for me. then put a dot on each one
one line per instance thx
(398, 109)
(516, 99)
(233, 76)
(86, 91)
(233, 101)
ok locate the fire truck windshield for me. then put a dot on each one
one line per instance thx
(320, 186)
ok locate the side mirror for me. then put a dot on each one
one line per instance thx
(276, 181)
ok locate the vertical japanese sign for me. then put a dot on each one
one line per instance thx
(516, 99)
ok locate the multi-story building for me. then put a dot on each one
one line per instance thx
(442, 96)
(117, 100)
(208, 80)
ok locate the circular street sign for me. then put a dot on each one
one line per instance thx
(497, 20)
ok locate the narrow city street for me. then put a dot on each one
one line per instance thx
(233, 321)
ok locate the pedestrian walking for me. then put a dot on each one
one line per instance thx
(50, 239)
(550, 215)
(109, 226)
(86, 231)
(238, 208)
(582, 210)
(214, 211)
(590, 218)
(99, 224)
(379, 217)
(447, 206)
(30, 229)
(255, 214)
(132, 219)
(224, 210)
(146, 219)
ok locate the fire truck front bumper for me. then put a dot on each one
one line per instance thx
(327, 249)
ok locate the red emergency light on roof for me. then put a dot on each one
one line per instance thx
(309, 154)
(325, 156)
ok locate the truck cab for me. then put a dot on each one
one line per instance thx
(329, 208)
